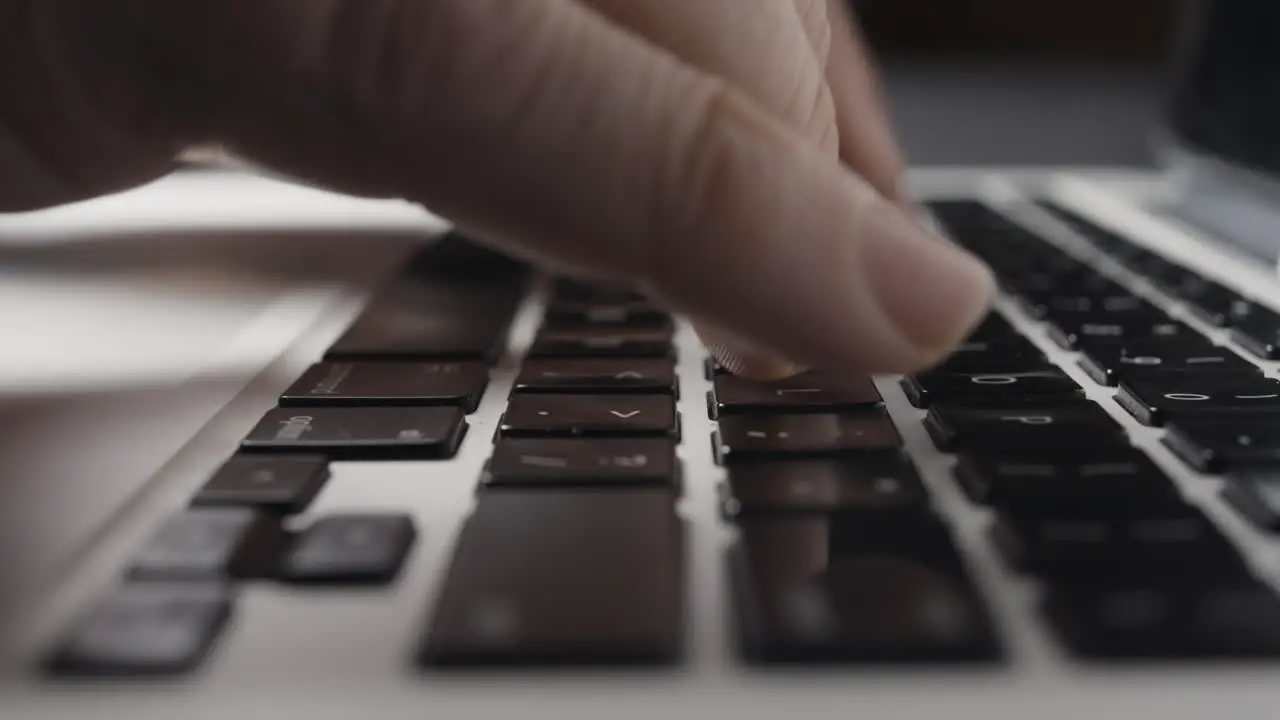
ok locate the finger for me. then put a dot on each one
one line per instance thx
(765, 49)
(867, 142)
(565, 138)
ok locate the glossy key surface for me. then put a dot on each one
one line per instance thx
(849, 486)
(373, 384)
(814, 590)
(751, 437)
(209, 544)
(807, 392)
(590, 416)
(146, 629)
(282, 484)
(350, 549)
(570, 577)
(383, 433)
(555, 463)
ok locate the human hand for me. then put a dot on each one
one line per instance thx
(729, 158)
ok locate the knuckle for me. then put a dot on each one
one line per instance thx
(690, 187)
(396, 58)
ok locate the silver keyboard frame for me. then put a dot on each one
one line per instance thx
(332, 654)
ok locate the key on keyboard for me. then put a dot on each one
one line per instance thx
(212, 544)
(1039, 387)
(1259, 333)
(756, 437)
(1110, 363)
(1160, 540)
(590, 416)
(873, 485)
(578, 314)
(1136, 620)
(1102, 480)
(598, 376)
(1254, 492)
(392, 433)
(1071, 333)
(363, 549)
(1065, 429)
(1155, 401)
(146, 629)
(598, 463)
(808, 392)
(564, 577)
(1216, 441)
(431, 322)
(813, 589)
(358, 384)
(598, 343)
(282, 485)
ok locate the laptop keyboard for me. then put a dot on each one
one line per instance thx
(574, 551)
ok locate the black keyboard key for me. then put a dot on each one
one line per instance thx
(432, 322)
(1032, 288)
(748, 437)
(570, 577)
(1213, 442)
(1118, 301)
(1255, 493)
(596, 463)
(1153, 401)
(345, 384)
(1123, 309)
(832, 487)
(1133, 620)
(1033, 387)
(598, 343)
(145, 630)
(807, 392)
(994, 327)
(282, 485)
(1166, 540)
(998, 361)
(598, 376)
(573, 290)
(1211, 302)
(812, 590)
(1065, 429)
(1108, 481)
(1072, 333)
(1110, 363)
(364, 549)
(1259, 333)
(634, 315)
(208, 544)
(392, 433)
(1161, 273)
(457, 257)
(590, 416)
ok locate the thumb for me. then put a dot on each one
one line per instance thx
(564, 138)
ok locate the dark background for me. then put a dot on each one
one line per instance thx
(1023, 82)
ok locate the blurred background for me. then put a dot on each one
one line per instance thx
(1023, 82)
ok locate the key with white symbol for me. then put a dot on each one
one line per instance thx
(590, 416)
(554, 462)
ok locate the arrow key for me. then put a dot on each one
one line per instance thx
(597, 376)
(590, 416)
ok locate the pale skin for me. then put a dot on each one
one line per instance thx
(731, 158)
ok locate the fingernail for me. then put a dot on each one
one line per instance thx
(933, 291)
